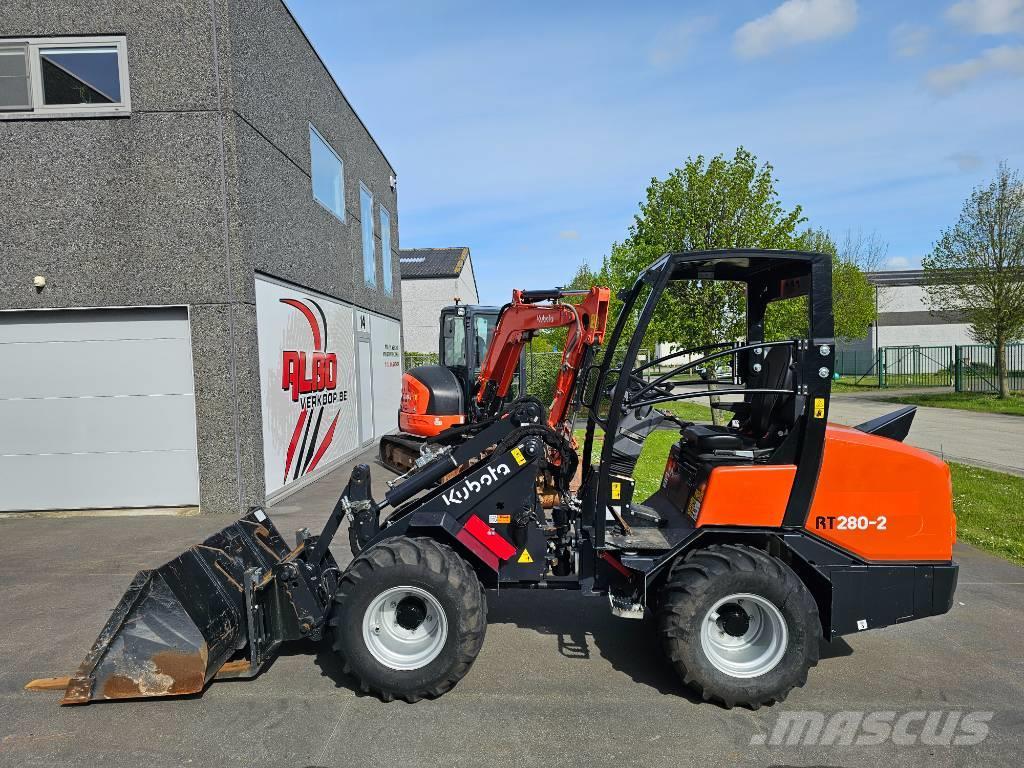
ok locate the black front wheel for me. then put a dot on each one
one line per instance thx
(409, 618)
(739, 625)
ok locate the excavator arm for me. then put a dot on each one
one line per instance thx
(528, 313)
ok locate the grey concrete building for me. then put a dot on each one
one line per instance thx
(905, 319)
(162, 166)
(433, 278)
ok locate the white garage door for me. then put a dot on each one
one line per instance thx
(97, 409)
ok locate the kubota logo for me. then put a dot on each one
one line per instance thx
(312, 378)
(473, 486)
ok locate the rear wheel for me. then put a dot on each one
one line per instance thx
(739, 625)
(409, 618)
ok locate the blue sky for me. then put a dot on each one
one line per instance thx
(529, 131)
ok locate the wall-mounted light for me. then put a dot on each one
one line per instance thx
(394, 182)
(39, 282)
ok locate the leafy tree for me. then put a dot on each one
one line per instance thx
(976, 268)
(853, 295)
(733, 203)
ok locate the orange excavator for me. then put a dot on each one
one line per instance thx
(441, 405)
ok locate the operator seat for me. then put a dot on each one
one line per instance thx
(764, 418)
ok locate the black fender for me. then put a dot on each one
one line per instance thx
(852, 594)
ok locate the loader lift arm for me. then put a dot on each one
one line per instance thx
(528, 313)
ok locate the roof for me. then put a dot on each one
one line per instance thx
(893, 277)
(422, 263)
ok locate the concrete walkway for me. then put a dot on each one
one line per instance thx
(991, 440)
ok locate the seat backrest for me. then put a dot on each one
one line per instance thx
(769, 411)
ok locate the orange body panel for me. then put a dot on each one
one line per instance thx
(426, 425)
(883, 500)
(412, 415)
(747, 495)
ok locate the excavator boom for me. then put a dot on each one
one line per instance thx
(528, 313)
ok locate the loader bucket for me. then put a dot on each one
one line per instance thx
(178, 624)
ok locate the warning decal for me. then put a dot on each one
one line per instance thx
(525, 557)
(819, 407)
(518, 456)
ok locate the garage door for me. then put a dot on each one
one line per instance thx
(96, 410)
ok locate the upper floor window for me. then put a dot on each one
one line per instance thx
(385, 248)
(328, 174)
(63, 77)
(366, 220)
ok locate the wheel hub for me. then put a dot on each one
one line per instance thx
(733, 620)
(744, 635)
(405, 628)
(410, 612)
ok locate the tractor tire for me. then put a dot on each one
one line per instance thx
(739, 625)
(409, 619)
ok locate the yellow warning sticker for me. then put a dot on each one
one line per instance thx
(525, 557)
(819, 407)
(518, 456)
(499, 519)
(616, 491)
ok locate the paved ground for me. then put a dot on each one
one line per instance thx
(559, 681)
(989, 440)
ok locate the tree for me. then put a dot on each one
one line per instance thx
(706, 204)
(853, 295)
(732, 203)
(976, 269)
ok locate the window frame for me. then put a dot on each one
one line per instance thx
(40, 110)
(341, 174)
(369, 280)
(386, 264)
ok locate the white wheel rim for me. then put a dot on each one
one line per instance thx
(405, 628)
(754, 651)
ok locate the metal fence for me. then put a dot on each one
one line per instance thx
(855, 362)
(966, 367)
(915, 367)
(975, 369)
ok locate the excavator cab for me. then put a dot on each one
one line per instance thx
(465, 336)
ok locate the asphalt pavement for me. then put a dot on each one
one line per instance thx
(559, 680)
(991, 440)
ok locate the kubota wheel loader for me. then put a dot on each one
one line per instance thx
(766, 534)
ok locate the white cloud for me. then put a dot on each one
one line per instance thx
(671, 45)
(897, 262)
(966, 161)
(1004, 60)
(795, 22)
(988, 17)
(568, 234)
(909, 39)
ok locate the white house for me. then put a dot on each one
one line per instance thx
(433, 278)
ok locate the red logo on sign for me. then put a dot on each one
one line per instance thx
(302, 374)
(306, 373)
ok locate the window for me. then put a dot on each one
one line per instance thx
(385, 248)
(366, 219)
(328, 174)
(63, 77)
(454, 347)
(483, 330)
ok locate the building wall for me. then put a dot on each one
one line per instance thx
(181, 203)
(422, 301)
(905, 319)
(466, 286)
